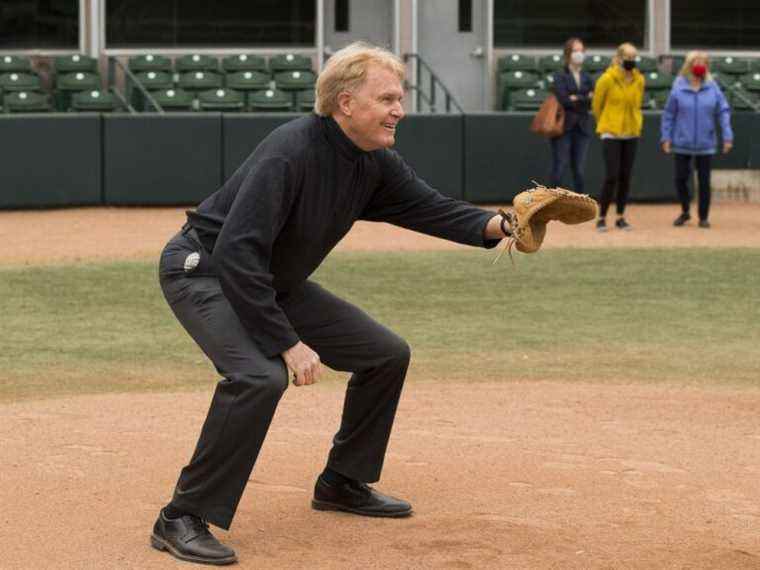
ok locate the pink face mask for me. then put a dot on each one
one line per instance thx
(699, 70)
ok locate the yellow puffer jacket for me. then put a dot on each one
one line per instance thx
(617, 103)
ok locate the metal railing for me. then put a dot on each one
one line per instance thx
(434, 84)
(130, 82)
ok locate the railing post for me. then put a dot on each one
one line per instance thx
(432, 92)
(418, 84)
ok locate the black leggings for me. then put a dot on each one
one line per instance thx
(683, 173)
(618, 160)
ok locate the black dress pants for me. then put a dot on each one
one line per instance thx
(683, 174)
(618, 161)
(346, 339)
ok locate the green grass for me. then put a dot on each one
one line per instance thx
(671, 315)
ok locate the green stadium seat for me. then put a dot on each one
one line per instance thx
(71, 83)
(95, 101)
(271, 100)
(225, 100)
(74, 63)
(656, 80)
(15, 63)
(294, 80)
(551, 63)
(515, 80)
(660, 98)
(547, 82)
(676, 63)
(26, 102)
(196, 62)
(10, 82)
(741, 99)
(149, 62)
(289, 62)
(151, 81)
(248, 82)
(596, 63)
(751, 81)
(754, 65)
(197, 81)
(725, 80)
(517, 62)
(244, 62)
(174, 100)
(528, 99)
(731, 65)
(305, 100)
(646, 63)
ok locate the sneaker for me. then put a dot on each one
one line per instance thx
(601, 225)
(188, 538)
(682, 219)
(621, 224)
(704, 224)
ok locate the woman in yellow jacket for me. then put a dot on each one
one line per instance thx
(617, 107)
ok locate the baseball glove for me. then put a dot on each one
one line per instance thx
(536, 207)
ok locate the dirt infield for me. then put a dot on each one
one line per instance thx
(505, 474)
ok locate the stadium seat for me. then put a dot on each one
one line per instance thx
(96, 101)
(149, 62)
(754, 65)
(174, 100)
(271, 100)
(151, 81)
(248, 82)
(15, 63)
(751, 81)
(551, 63)
(596, 63)
(646, 63)
(71, 83)
(197, 81)
(741, 99)
(517, 62)
(26, 102)
(10, 82)
(305, 100)
(196, 62)
(226, 100)
(74, 63)
(513, 81)
(657, 98)
(731, 65)
(244, 62)
(528, 99)
(676, 63)
(547, 81)
(289, 62)
(656, 80)
(294, 80)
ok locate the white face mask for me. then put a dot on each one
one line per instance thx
(577, 57)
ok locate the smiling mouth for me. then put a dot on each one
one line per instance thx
(390, 126)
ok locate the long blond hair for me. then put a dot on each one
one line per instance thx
(617, 59)
(346, 70)
(689, 61)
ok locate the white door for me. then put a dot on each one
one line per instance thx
(452, 37)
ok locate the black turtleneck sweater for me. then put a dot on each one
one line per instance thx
(279, 215)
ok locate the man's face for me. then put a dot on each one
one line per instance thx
(376, 109)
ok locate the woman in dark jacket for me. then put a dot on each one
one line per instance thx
(574, 89)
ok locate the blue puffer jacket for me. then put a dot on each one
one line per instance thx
(689, 118)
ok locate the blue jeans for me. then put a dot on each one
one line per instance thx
(570, 148)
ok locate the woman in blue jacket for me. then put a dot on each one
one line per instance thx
(573, 88)
(694, 106)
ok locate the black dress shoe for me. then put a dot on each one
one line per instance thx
(357, 498)
(188, 538)
(682, 219)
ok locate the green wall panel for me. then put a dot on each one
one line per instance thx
(161, 159)
(50, 160)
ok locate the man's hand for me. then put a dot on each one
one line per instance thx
(666, 147)
(727, 146)
(304, 363)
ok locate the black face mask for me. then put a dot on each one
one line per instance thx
(629, 64)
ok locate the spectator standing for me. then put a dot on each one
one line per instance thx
(617, 107)
(688, 131)
(574, 89)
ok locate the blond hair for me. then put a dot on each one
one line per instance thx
(617, 59)
(347, 69)
(689, 61)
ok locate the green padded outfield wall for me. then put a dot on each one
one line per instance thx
(161, 159)
(431, 144)
(50, 160)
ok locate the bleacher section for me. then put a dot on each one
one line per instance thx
(188, 83)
